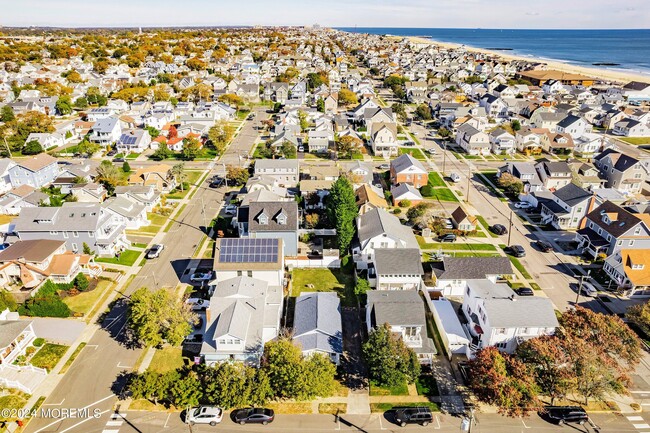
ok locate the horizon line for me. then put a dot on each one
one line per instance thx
(134, 26)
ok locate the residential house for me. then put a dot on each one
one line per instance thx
(135, 140)
(159, 176)
(396, 269)
(502, 142)
(573, 125)
(360, 173)
(383, 139)
(15, 337)
(631, 128)
(496, 316)
(406, 169)
(404, 311)
(453, 273)
(541, 119)
(623, 172)
(529, 140)
(147, 195)
(76, 224)
(588, 144)
(5, 178)
(462, 221)
(275, 220)
(284, 171)
(131, 213)
(379, 229)
(24, 196)
(368, 199)
(554, 175)
(557, 143)
(585, 175)
(473, 141)
(630, 271)
(37, 171)
(567, 207)
(610, 228)
(524, 171)
(319, 141)
(89, 192)
(405, 192)
(636, 91)
(244, 311)
(317, 326)
(315, 192)
(106, 131)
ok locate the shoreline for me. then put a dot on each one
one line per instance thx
(619, 76)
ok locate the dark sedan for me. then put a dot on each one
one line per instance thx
(544, 246)
(256, 415)
(499, 229)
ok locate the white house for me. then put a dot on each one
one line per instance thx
(473, 141)
(106, 131)
(502, 142)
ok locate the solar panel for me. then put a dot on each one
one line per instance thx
(248, 251)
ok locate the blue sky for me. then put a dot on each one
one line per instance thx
(363, 13)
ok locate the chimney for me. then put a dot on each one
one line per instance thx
(207, 317)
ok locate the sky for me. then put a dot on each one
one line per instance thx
(511, 14)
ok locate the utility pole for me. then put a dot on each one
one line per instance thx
(509, 227)
(469, 178)
(7, 146)
(203, 213)
(225, 173)
(444, 154)
(581, 278)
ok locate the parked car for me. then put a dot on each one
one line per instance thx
(194, 338)
(544, 246)
(201, 277)
(449, 237)
(154, 251)
(231, 209)
(256, 415)
(523, 205)
(301, 148)
(384, 166)
(455, 177)
(516, 250)
(204, 415)
(216, 182)
(413, 415)
(112, 153)
(525, 291)
(499, 229)
(432, 151)
(588, 290)
(566, 414)
(198, 303)
(409, 143)
(118, 159)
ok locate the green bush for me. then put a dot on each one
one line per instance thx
(46, 303)
(426, 191)
(397, 211)
(404, 203)
(81, 282)
(38, 342)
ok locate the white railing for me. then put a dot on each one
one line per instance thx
(14, 384)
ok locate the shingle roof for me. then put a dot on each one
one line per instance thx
(378, 221)
(273, 210)
(521, 311)
(572, 194)
(621, 220)
(474, 268)
(396, 307)
(10, 330)
(317, 322)
(405, 161)
(390, 261)
(32, 250)
(37, 162)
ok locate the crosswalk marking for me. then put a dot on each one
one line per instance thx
(638, 426)
(118, 423)
(634, 418)
(110, 431)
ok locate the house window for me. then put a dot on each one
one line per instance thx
(501, 330)
(637, 231)
(619, 243)
(631, 242)
(75, 234)
(54, 232)
(410, 331)
(501, 345)
(75, 248)
(65, 235)
(91, 234)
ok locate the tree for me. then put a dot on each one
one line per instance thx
(81, 282)
(423, 112)
(7, 301)
(151, 385)
(320, 105)
(162, 152)
(288, 150)
(348, 144)
(400, 111)
(347, 97)
(232, 99)
(500, 379)
(109, 176)
(319, 373)
(361, 287)
(86, 247)
(341, 210)
(178, 171)
(390, 361)
(153, 131)
(516, 125)
(155, 317)
(220, 135)
(195, 64)
(7, 114)
(191, 148)
(234, 385)
(511, 184)
(237, 175)
(282, 361)
(45, 303)
(304, 123)
(81, 103)
(315, 80)
(32, 147)
(420, 214)
(126, 168)
(640, 315)
(549, 364)
(444, 132)
(64, 105)
(312, 220)
(87, 148)
(186, 391)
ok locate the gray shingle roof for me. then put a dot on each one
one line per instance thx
(317, 322)
(378, 221)
(474, 268)
(69, 217)
(405, 161)
(521, 311)
(572, 194)
(10, 329)
(390, 261)
(273, 210)
(396, 307)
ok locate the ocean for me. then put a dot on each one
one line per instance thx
(623, 50)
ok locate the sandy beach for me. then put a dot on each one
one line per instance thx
(599, 73)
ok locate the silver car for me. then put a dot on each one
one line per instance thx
(204, 415)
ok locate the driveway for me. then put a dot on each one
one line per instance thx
(63, 331)
(354, 368)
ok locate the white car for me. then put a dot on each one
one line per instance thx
(455, 177)
(198, 303)
(301, 148)
(523, 205)
(200, 277)
(589, 290)
(231, 209)
(384, 166)
(204, 415)
(431, 151)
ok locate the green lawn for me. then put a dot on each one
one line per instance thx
(166, 359)
(413, 151)
(74, 355)
(14, 401)
(127, 258)
(517, 264)
(401, 389)
(138, 245)
(326, 280)
(84, 301)
(636, 140)
(132, 156)
(48, 356)
(156, 219)
(444, 194)
(436, 180)
(426, 385)
(486, 226)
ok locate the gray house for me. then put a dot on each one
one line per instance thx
(76, 224)
(317, 324)
(275, 220)
(38, 171)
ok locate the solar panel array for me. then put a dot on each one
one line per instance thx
(128, 139)
(248, 251)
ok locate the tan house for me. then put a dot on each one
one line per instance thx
(157, 175)
(367, 199)
(462, 221)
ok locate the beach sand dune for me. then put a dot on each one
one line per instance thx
(599, 73)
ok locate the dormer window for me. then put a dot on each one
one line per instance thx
(281, 218)
(263, 219)
(637, 266)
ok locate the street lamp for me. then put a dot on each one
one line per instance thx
(581, 278)
(510, 227)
